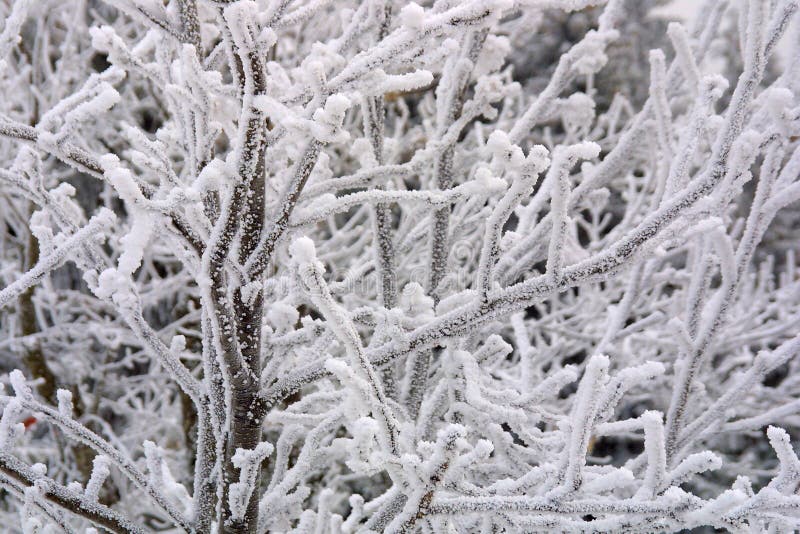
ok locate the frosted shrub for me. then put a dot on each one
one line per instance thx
(325, 266)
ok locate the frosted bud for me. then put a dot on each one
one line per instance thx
(121, 178)
(246, 458)
(20, 385)
(178, 343)
(778, 437)
(39, 470)
(498, 142)
(303, 251)
(105, 218)
(336, 106)
(282, 316)
(578, 111)
(483, 449)
(537, 160)
(102, 38)
(249, 292)
(328, 120)
(267, 38)
(585, 150)
(63, 190)
(212, 177)
(493, 55)
(412, 16)
(360, 448)
(111, 282)
(484, 183)
(714, 85)
(109, 161)
(744, 485)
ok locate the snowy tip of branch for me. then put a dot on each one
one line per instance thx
(700, 462)
(303, 251)
(109, 161)
(109, 282)
(101, 462)
(483, 184)
(777, 436)
(657, 55)
(282, 316)
(105, 217)
(337, 367)
(212, 177)
(39, 469)
(585, 150)
(243, 458)
(538, 159)
(498, 140)
(19, 384)
(337, 104)
(503, 149)
(714, 85)
(239, 9)
(451, 432)
(412, 16)
(327, 125)
(379, 83)
(714, 461)
(102, 37)
(652, 416)
(178, 343)
(150, 447)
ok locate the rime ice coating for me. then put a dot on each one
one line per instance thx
(328, 266)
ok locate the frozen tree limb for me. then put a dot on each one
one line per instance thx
(453, 266)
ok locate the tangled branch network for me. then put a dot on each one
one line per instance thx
(366, 266)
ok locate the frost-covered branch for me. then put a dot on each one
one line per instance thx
(449, 266)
